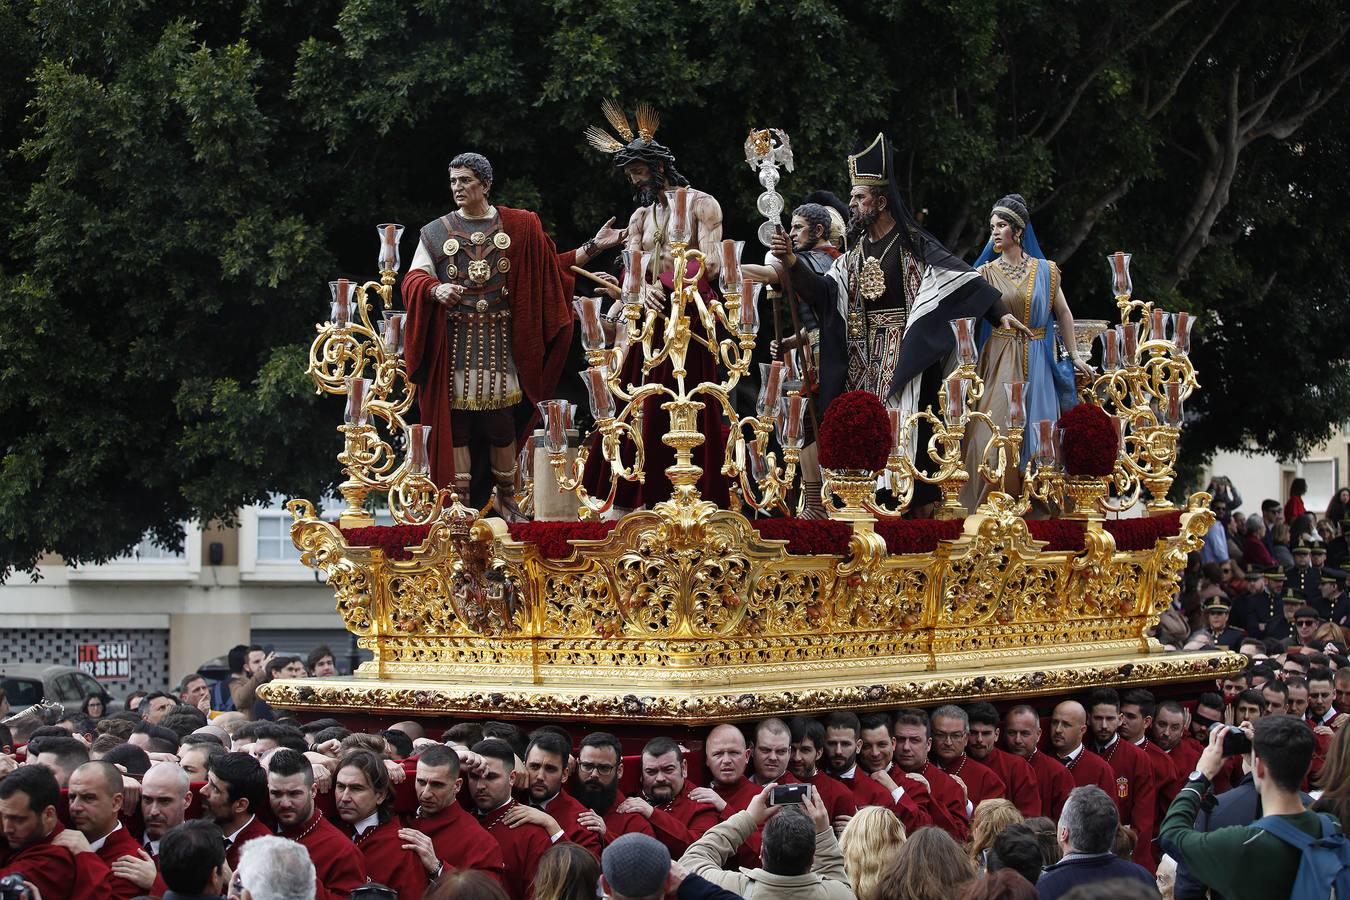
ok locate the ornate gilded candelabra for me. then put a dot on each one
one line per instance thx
(1146, 383)
(351, 356)
(748, 462)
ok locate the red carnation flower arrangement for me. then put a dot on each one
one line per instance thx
(394, 540)
(1089, 442)
(856, 433)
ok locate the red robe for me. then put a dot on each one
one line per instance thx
(56, 872)
(981, 782)
(912, 808)
(460, 841)
(1055, 782)
(565, 808)
(387, 863)
(948, 806)
(838, 798)
(1015, 772)
(521, 848)
(254, 829)
(618, 824)
(540, 287)
(1136, 795)
(1089, 768)
(119, 844)
(682, 821)
(1166, 779)
(337, 869)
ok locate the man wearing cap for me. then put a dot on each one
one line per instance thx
(1331, 601)
(1254, 611)
(1302, 578)
(1306, 622)
(1216, 617)
(638, 867)
(1282, 629)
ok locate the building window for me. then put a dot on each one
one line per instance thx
(274, 542)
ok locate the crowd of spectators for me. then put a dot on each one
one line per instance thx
(205, 791)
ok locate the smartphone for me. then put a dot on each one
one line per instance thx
(1235, 740)
(784, 794)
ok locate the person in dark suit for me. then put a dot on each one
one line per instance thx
(1216, 620)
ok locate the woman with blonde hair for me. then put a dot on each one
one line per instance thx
(869, 844)
(991, 817)
(929, 866)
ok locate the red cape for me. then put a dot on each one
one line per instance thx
(540, 287)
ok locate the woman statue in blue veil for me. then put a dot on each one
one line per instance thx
(1013, 263)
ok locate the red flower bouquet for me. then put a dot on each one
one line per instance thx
(553, 539)
(807, 537)
(856, 433)
(1089, 442)
(394, 540)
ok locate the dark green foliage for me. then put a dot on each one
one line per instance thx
(179, 180)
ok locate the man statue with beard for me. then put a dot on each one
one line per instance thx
(893, 293)
(650, 168)
(489, 325)
(599, 768)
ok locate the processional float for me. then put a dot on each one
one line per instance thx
(690, 613)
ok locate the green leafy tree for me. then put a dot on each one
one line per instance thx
(179, 180)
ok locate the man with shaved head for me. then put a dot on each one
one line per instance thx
(95, 801)
(165, 795)
(727, 755)
(1068, 726)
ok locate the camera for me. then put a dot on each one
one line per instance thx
(784, 794)
(1235, 740)
(12, 887)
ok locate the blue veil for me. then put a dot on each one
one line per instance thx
(1030, 246)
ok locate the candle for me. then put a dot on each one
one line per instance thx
(342, 299)
(554, 413)
(1181, 332)
(771, 387)
(592, 332)
(634, 274)
(393, 333)
(1173, 413)
(1045, 441)
(602, 403)
(964, 329)
(569, 415)
(356, 412)
(1157, 325)
(418, 457)
(790, 424)
(1017, 407)
(749, 317)
(681, 212)
(1110, 350)
(955, 396)
(897, 420)
(1129, 339)
(1120, 274)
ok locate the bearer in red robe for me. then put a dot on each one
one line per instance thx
(951, 731)
(37, 848)
(443, 834)
(808, 747)
(338, 869)
(676, 818)
(363, 794)
(599, 768)
(910, 803)
(547, 760)
(490, 791)
(95, 802)
(1022, 737)
(489, 324)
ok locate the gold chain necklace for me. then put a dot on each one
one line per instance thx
(872, 280)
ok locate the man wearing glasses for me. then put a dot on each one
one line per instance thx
(599, 768)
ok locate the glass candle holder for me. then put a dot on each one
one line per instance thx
(1129, 344)
(1047, 447)
(635, 264)
(1122, 429)
(748, 322)
(1172, 407)
(1110, 350)
(391, 234)
(592, 331)
(791, 423)
(1015, 391)
(1181, 332)
(954, 397)
(340, 309)
(729, 277)
(770, 387)
(1157, 324)
(897, 420)
(680, 202)
(357, 391)
(793, 376)
(1121, 285)
(554, 414)
(392, 331)
(964, 330)
(758, 462)
(419, 449)
(602, 401)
